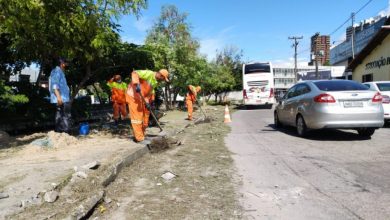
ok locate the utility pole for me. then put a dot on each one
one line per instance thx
(295, 45)
(353, 35)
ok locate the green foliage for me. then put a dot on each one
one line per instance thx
(83, 30)
(9, 97)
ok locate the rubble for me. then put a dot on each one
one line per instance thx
(3, 195)
(50, 196)
(81, 174)
(92, 166)
(168, 176)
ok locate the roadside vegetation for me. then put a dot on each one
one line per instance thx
(88, 33)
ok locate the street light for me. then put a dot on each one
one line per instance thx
(386, 27)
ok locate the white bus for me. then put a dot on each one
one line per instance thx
(258, 84)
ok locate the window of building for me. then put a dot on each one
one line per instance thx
(367, 78)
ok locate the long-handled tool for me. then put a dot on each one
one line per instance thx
(201, 109)
(162, 132)
(206, 119)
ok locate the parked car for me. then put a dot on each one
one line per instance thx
(336, 104)
(384, 88)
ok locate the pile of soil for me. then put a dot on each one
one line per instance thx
(61, 140)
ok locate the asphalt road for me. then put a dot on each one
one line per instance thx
(328, 175)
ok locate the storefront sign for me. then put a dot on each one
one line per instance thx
(383, 61)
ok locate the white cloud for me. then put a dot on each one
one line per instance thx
(143, 24)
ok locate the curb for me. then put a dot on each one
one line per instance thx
(122, 162)
(86, 206)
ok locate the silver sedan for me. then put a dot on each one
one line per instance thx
(335, 104)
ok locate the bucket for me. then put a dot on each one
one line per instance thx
(84, 129)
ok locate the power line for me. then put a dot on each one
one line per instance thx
(363, 7)
(342, 25)
(345, 22)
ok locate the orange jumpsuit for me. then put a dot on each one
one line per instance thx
(118, 98)
(139, 114)
(191, 98)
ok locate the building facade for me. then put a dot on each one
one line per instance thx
(320, 50)
(284, 77)
(341, 55)
(373, 63)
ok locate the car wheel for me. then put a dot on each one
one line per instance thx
(301, 126)
(277, 121)
(366, 132)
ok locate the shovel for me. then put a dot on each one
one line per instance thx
(205, 119)
(162, 132)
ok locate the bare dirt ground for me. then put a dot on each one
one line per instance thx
(203, 186)
(28, 170)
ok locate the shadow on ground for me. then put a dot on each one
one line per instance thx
(321, 135)
(252, 107)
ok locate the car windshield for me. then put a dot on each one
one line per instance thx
(383, 86)
(343, 85)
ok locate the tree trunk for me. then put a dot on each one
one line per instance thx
(209, 97)
(88, 74)
(170, 97)
(166, 98)
(97, 94)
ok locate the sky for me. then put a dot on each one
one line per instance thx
(259, 27)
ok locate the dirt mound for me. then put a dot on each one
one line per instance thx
(158, 144)
(61, 140)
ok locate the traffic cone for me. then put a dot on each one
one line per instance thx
(227, 115)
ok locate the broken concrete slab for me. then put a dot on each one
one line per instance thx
(50, 196)
(121, 162)
(86, 206)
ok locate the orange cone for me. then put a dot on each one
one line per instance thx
(227, 115)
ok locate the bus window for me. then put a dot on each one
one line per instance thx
(257, 68)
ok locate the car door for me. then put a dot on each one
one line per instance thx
(300, 102)
(294, 103)
(284, 108)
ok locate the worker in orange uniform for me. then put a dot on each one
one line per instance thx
(143, 82)
(118, 98)
(191, 99)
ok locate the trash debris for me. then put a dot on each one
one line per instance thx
(42, 142)
(50, 196)
(102, 209)
(93, 165)
(3, 195)
(168, 176)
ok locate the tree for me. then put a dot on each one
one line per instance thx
(174, 49)
(231, 57)
(83, 30)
